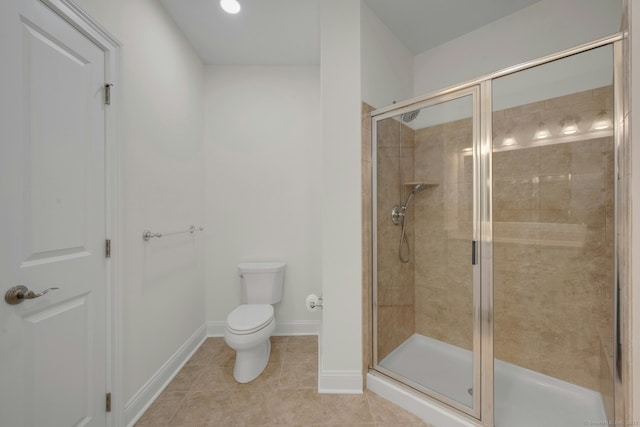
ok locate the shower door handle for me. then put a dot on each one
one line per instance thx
(474, 253)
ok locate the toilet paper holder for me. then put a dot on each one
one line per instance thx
(313, 304)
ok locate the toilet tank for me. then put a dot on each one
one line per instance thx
(261, 282)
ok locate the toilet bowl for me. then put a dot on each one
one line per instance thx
(249, 326)
(248, 329)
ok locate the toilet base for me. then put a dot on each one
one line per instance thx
(250, 363)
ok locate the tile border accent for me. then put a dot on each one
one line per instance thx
(150, 391)
(296, 327)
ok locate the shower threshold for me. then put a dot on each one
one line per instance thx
(523, 398)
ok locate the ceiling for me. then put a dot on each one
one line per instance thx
(265, 32)
(287, 32)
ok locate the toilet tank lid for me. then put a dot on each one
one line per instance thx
(261, 267)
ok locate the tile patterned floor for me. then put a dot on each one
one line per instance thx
(205, 394)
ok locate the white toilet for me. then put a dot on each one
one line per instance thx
(250, 325)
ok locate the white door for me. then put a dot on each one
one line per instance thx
(52, 220)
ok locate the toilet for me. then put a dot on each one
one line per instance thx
(250, 325)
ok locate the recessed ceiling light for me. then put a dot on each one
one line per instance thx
(230, 6)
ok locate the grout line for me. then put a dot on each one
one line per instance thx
(286, 344)
(369, 407)
(175, 411)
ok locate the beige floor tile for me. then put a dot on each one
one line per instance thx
(280, 338)
(202, 408)
(299, 376)
(345, 409)
(204, 393)
(268, 379)
(201, 357)
(303, 344)
(223, 355)
(350, 425)
(395, 424)
(301, 349)
(278, 350)
(186, 378)
(290, 356)
(291, 407)
(245, 407)
(213, 342)
(160, 412)
(215, 377)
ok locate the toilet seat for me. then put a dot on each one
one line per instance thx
(249, 318)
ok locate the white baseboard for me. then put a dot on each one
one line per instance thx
(340, 382)
(297, 327)
(149, 392)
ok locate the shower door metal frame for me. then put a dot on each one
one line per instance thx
(483, 414)
(621, 309)
(474, 92)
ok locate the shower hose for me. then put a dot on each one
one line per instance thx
(403, 241)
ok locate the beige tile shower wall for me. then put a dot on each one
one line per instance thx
(553, 251)
(443, 212)
(553, 230)
(395, 284)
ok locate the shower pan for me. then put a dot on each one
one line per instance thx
(494, 244)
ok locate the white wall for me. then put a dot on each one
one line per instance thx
(387, 65)
(341, 340)
(263, 182)
(161, 135)
(541, 29)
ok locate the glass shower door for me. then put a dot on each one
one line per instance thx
(426, 286)
(553, 221)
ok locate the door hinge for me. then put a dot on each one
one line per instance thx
(107, 93)
(108, 406)
(107, 248)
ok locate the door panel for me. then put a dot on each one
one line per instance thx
(52, 162)
(42, 332)
(553, 242)
(426, 324)
(54, 137)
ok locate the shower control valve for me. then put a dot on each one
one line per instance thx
(397, 214)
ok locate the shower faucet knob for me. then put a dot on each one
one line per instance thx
(397, 213)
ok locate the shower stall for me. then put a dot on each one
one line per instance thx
(494, 243)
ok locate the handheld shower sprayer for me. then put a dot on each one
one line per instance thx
(398, 211)
(418, 188)
(398, 216)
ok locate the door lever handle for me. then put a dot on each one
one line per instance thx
(19, 293)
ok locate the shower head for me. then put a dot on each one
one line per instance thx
(410, 116)
(418, 188)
